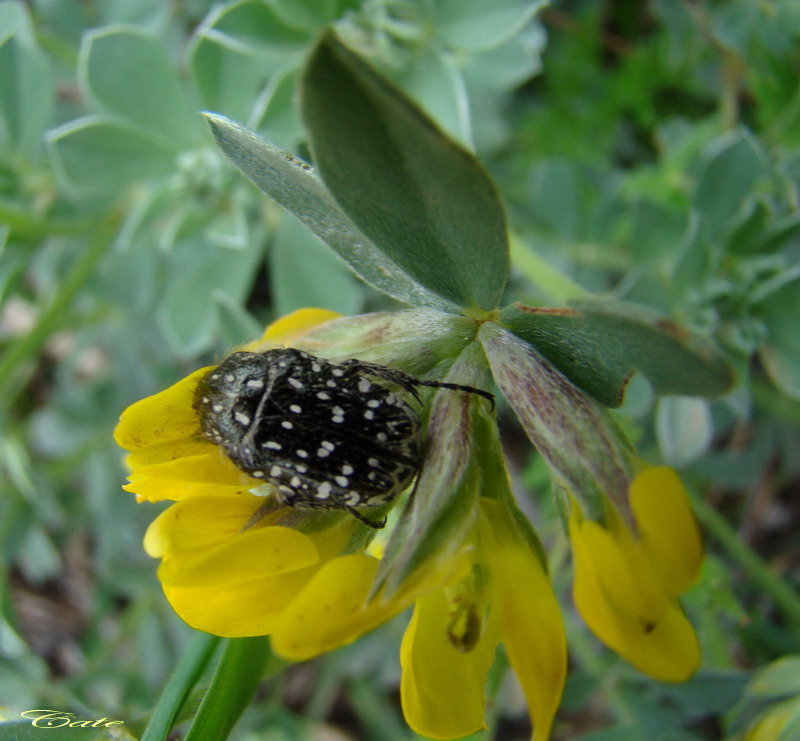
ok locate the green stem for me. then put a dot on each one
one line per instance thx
(180, 684)
(549, 280)
(33, 225)
(234, 683)
(720, 529)
(28, 346)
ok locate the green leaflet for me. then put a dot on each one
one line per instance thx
(292, 183)
(420, 198)
(599, 345)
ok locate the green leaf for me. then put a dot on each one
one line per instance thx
(188, 312)
(129, 74)
(747, 233)
(305, 15)
(15, 20)
(27, 89)
(509, 65)
(434, 80)
(232, 688)
(279, 119)
(98, 156)
(292, 183)
(476, 24)
(779, 679)
(418, 196)
(305, 273)
(236, 50)
(732, 166)
(556, 196)
(185, 676)
(598, 346)
(781, 353)
(578, 439)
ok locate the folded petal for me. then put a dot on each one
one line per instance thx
(530, 619)
(619, 598)
(670, 538)
(196, 461)
(442, 685)
(228, 576)
(167, 415)
(254, 554)
(154, 489)
(332, 609)
(247, 609)
(200, 524)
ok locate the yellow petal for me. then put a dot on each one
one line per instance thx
(253, 554)
(623, 608)
(199, 524)
(670, 538)
(247, 609)
(233, 583)
(442, 686)
(167, 415)
(332, 609)
(530, 619)
(290, 328)
(149, 489)
(197, 461)
(625, 576)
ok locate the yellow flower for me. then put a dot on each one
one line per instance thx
(493, 589)
(169, 458)
(221, 573)
(627, 584)
(304, 578)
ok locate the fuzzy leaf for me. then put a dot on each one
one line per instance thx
(575, 435)
(445, 498)
(599, 345)
(292, 183)
(422, 199)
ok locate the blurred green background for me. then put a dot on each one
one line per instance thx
(645, 150)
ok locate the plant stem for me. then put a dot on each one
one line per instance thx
(28, 346)
(786, 598)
